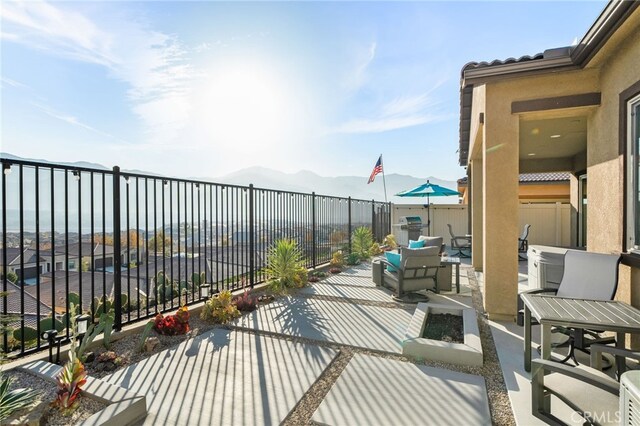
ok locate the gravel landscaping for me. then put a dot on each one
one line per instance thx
(46, 394)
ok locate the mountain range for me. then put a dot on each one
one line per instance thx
(307, 181)
(342, 186)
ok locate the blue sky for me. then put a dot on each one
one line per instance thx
(194, 89)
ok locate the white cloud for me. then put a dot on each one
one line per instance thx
(356, 75)
(70, 119)
(399, 113)
(153, 64)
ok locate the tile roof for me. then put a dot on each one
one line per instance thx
(535, 177)
(496, 62)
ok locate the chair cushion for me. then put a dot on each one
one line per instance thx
(601, 404)
(416, 244)
(394, 259)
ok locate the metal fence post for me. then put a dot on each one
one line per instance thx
(313, 230)
(117, 251)
(349, 225)
(252, 248)
(373, 218)
(389, 218)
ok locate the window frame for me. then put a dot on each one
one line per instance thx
(632, 115)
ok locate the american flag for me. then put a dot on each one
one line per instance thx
(376, 169)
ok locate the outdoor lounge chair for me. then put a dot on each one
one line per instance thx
(460, 243)
(587, 275)
(418, 271)
(523, 242)
(592, 394)
(433, 242)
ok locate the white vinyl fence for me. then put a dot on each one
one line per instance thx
(550, 222)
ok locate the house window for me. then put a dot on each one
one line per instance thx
(633, 176)
(71, 265)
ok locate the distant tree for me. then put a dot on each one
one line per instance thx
(107, 240)
(155, 242)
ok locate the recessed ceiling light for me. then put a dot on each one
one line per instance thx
(531, 154)
(555, 136)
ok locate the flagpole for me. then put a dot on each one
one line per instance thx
(384, 182)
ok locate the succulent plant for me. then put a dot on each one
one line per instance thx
(220, 308)
(70, 382)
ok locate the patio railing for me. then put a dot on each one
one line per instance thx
(134, 245)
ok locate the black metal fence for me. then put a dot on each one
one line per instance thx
(134, 245)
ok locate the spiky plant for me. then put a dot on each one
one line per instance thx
(17, 399)
(284, 263)
(13, 400)
(362, 239)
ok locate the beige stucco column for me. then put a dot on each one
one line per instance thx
(476, 214)
(500, 210)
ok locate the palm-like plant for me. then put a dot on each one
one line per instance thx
(362, 240)
(285, 263)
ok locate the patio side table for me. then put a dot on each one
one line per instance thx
(549, 311)
(455, 261)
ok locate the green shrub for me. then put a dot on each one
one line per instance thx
(12, 276)
(337, 260)
(361, 241)
(390, 241)
(220, 308)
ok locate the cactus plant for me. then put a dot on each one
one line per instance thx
(25, 334)
(73, 299)
(195, 279)
(52, 323)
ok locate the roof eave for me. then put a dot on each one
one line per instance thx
(484, 73)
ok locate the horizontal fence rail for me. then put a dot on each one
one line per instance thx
(79, 240)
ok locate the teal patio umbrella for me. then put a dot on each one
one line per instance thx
(428, 190)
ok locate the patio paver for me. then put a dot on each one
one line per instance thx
(378, 391)
(369, 327)
(225, 377)
(350, 279)
(327, 288)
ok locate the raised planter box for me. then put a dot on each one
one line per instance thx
(467, 353)
(123, 407)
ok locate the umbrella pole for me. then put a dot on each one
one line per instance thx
(428, 217)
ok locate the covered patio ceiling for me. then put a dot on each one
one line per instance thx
(550, 143)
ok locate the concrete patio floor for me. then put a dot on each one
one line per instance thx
(378, 391)
(236, 376)
(369, 327)
(225, 377)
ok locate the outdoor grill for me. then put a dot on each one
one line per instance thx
(408, 228)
